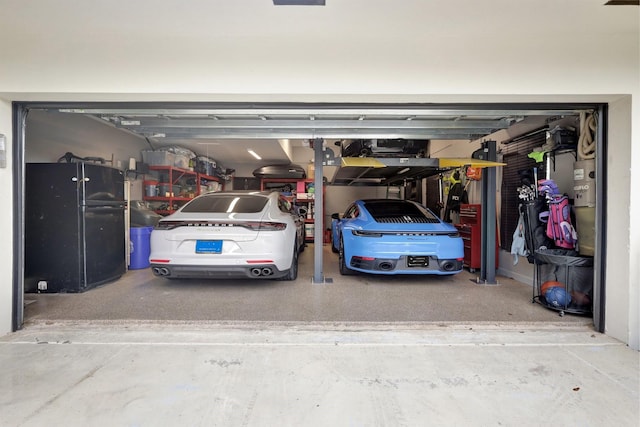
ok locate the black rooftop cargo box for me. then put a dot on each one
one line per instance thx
(291, 171)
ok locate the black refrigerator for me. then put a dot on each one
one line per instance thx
(74, 226)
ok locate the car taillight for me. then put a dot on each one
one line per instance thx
(168, 225)
(361, 233)
(264, 226)
(252, 225)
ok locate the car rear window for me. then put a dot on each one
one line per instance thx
(226, 203)
(383, 210)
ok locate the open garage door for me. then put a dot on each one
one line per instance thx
(190, 124)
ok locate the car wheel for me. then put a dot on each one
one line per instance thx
(344, 270)
(333, 245)
(292, 274)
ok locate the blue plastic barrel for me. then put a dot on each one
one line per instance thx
(140, 238)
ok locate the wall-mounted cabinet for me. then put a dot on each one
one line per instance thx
(167, 188)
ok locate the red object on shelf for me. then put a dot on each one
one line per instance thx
(470, 229)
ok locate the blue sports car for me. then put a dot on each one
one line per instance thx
(386, 236)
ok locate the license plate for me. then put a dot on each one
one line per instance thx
(208, 246)
(417, 261)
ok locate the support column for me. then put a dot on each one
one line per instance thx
(488, 227)
(318, 223)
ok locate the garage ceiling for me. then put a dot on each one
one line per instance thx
(314, 122)
(238, 127)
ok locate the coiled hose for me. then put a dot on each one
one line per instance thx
(587, 140)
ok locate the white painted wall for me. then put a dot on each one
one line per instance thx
(623, 234)
(6, 223)
(49, 135)
(347, 51)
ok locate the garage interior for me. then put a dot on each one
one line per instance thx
(285, 134)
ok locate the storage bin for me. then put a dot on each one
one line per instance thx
(151, 190)
(140, 244)
(158, 158)
(163, 190)
(572, 271)
(181, 161)
(214, 186)
(205, 165)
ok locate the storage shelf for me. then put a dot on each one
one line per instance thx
(177, 177)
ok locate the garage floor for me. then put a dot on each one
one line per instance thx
(374, 351)
(138, 295)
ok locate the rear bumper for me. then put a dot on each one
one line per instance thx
(258, 271)
(406, 265)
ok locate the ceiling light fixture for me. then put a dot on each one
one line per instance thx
(254, 154)
(401, 171)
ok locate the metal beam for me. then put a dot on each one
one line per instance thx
(488, 221)
(318, 204)
(241, 123)
(479, 110)
(311, 133)
(402, 162)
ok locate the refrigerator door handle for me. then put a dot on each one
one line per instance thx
(105, 204)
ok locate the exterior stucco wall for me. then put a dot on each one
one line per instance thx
(352, 51)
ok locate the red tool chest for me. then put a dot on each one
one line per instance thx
(470, 229)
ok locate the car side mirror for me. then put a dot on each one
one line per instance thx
(335, 216)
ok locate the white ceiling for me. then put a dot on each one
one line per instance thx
(226, 151)
(234, 151)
